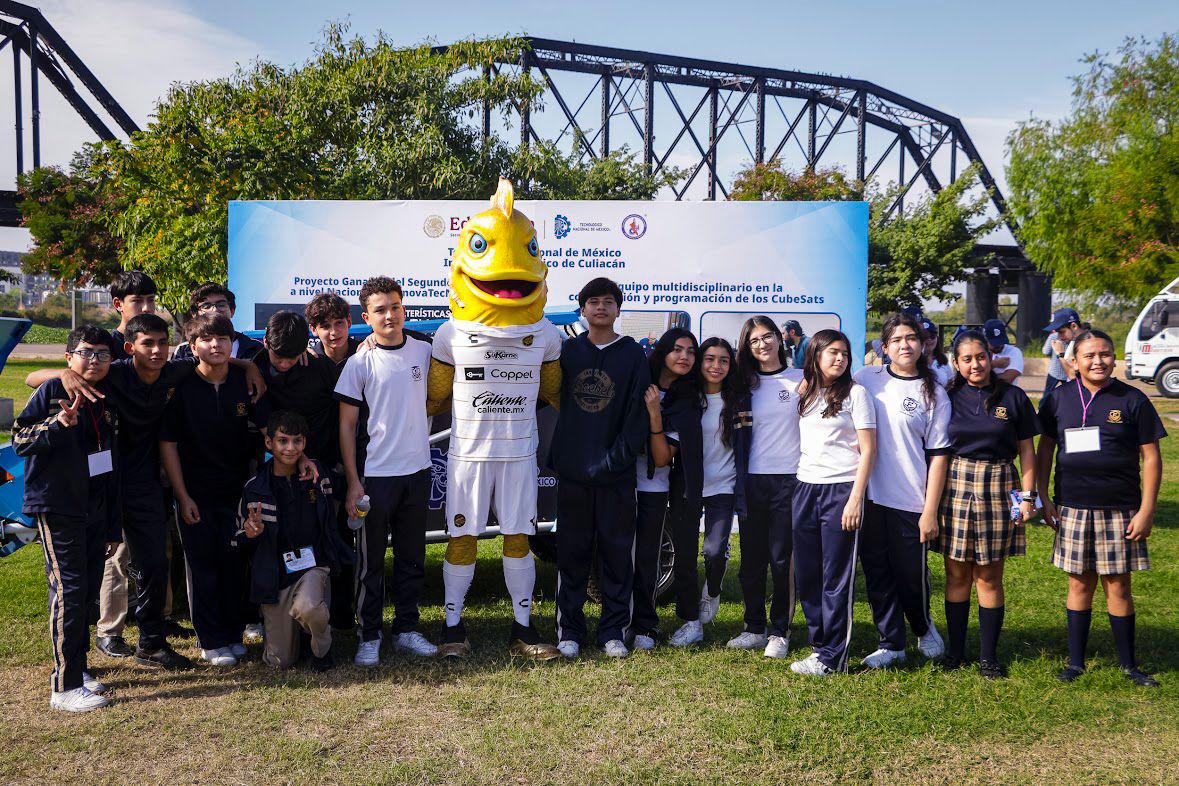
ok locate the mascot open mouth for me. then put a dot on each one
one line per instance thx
(506, 288)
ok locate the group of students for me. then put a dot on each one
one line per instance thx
(820, 467)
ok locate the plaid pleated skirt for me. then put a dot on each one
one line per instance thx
(1093, 539)
(974, 517)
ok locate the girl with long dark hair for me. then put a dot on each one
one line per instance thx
(991, 423)
(765, 448)
(837, 439)
(703, 476)
(912, 416)
(673, 363)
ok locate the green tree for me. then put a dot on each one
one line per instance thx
(356, 121)
(913, 255)
(66, 213)
(1096, 194)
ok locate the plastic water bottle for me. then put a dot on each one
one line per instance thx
(363, 505)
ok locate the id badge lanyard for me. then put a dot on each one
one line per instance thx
(1086, 438)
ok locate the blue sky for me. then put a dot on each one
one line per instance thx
(991, 64)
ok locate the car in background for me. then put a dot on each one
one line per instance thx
(16, 529)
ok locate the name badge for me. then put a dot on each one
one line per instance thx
(100, 463)
(299, 559)
(1082, 440)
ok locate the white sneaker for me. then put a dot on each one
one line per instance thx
(254, 635)
(219, 657)
(237, 650)
(415, 644)
(645, 643)
(777, 646)
(77, 700)
(748, 641)
(811, 666)
(91, 684)
(931, 644)
(368, 653)
(883, 659)
(691, 632)
(709, 606)
(570, 649)
(616, 649)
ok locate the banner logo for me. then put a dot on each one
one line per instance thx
(434, 226)
(634, 226)
(561, 227)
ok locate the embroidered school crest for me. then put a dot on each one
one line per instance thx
(783, 395)
(311, 495)
(909, 404)
(240, 410)
(528, 341)
(168, 396)
(460, 520)
(1115, 416)
(416, 373)
(1001, 413)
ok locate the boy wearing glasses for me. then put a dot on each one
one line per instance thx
(215, 300)
(67, 444)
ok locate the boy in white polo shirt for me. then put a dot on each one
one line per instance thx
(391, 380)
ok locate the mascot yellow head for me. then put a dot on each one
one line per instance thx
(497, 277)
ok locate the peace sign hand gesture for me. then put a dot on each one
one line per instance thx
(69, 412)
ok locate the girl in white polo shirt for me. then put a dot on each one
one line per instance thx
(837, 429)
(912, 441)
(765, 446)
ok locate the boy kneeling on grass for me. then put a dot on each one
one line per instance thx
(293, 524)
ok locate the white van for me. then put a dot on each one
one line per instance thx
(1152, 345)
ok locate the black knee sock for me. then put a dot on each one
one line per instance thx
(990, 622)
(1078, 636)
(1123, 634)
(957, 617)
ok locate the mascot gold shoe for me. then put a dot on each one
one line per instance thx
(493, 360)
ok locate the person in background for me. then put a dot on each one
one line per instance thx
(796, 342)
(991, 423)
(935, 352)
(330, 319)
(1007, 359)
(912, 415)
(1104, 436)
(1064, 327)
(214, 299)
(837, 439)
(765, 445)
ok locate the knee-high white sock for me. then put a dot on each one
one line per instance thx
(520, 578)
(456, 580)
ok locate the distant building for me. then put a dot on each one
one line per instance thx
(36, 287)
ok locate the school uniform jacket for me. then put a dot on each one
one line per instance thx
(267, 566)
(742, 444)
(681, 414)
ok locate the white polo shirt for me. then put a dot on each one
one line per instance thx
(830, 447)
(906, 426)
(392, 381)
(775, 423)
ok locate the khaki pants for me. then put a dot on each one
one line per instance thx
(112, 595)
(305, 604)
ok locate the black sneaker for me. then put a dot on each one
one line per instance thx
(320, 665)
(952, 662)
(114, 647)
(174, 630)
(1140, 677)
(991, 670)
(1069, 674)
(163, 658)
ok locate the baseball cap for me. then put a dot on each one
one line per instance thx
(1062, 317)
(928, 326)
(996, 332)
(913, 311)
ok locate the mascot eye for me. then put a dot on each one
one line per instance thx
(478, 243)
(532, 247)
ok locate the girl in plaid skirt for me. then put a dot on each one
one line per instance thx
(992, 421)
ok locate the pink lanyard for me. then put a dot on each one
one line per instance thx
(1084, 406)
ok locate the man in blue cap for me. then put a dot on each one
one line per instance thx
(1007, 359)
(1064, 327)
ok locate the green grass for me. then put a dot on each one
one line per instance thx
(707, 716)
(43, 334)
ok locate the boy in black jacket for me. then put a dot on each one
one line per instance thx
(601, 429)
(293, 523)
(70, 489)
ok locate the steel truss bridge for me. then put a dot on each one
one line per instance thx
(700, 116)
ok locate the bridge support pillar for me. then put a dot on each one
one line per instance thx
(982, 296)
(1035, 307)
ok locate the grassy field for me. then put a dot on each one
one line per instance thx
(706, 716)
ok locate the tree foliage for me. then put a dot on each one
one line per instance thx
(1096, 193)
(913, 255)
(358, 120)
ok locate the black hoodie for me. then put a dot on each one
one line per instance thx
(603, 423)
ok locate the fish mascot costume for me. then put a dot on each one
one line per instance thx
(494, 359)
